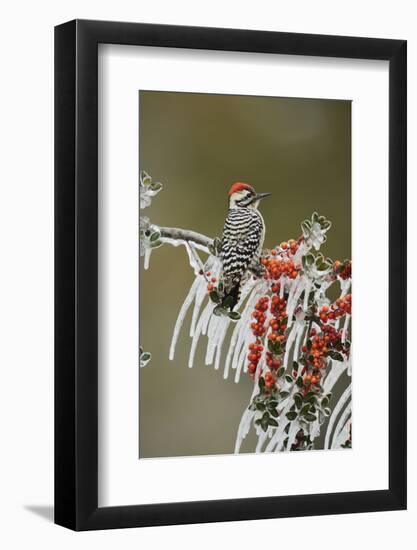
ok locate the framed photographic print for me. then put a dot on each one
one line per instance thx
(221, 195)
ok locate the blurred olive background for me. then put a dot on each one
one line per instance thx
(197, 145)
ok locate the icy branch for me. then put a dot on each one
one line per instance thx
(287, 335)
(186, 235)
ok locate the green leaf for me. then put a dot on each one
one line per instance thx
(214, 297)
(261, 383)
(156, 244)
(324, 402)
(295, 365)
(309, 344)
(280, 372)
(234, 315)
(305, 409)
(289, 378)
(335, 355)
(155, 236)
(298, 400)
(219, 310)
(260, 406)
(145, 177)
(284, 394)
(272, 422)
(327, 411)
(292, 415)
(309, 259)
(270, 346)
(274, 412)
(227, 302)
(310, 417)
(299, 382)
(277, 348)
(264, 423)
(155, 186)
(303, 260)
(272, 404)
(145, 356)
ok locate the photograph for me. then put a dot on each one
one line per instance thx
(245, 290)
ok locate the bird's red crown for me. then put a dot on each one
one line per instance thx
(238, 186)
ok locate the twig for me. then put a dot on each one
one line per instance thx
(185, 235)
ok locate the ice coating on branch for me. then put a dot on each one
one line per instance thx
(290, 430)
(147, 189)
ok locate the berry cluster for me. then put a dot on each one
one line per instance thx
(276, 335)
(255, 352)
(290, 247)
(275, 267)
(270, 380)
(302, 441)
(341, 307)
(343, 269)
(258, 326)
(213, 280)
(316, 352)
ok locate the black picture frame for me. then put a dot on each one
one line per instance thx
(76, 272)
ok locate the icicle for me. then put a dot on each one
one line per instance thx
(213, 330)
(344, 418)
(219, 348)
(306, 294)
(292, 433)
(181, 316)
(339, 406)
(343, 429)
(291, 338)
(199, 299)
(295, 293)
(261, 440)
(207, 311)
(333, 374)
(245, 422)
(201, 326)
(194, 259)
(345, 328)
(300, 334)
(147, 258)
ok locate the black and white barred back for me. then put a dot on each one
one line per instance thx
(241, 247)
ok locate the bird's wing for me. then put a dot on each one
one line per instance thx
(240, 242)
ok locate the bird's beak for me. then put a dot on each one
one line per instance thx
(260, 196)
